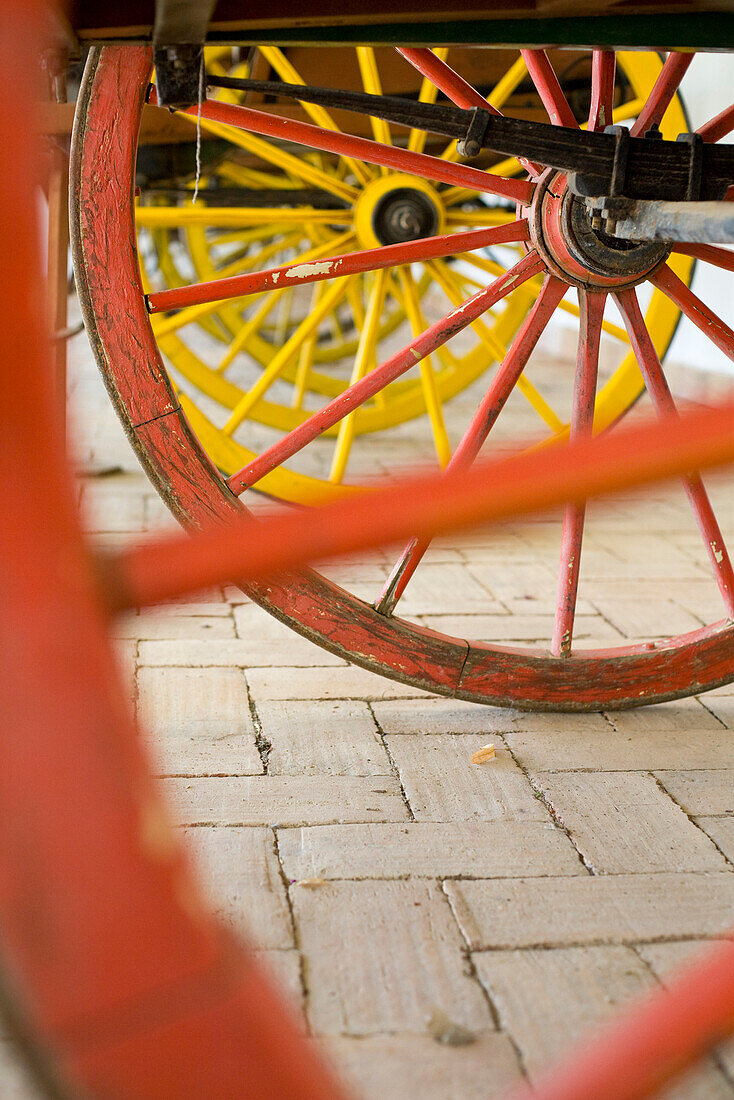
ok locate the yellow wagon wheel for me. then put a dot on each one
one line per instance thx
(289, 350)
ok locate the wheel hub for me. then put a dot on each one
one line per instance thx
(395, 209)
(562, 232)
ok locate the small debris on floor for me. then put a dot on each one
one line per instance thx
(311, 883)
(444, 1030)
(481, 756)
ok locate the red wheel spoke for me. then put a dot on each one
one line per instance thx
(549, 88)
(704, 318)
(453, 86)
(665, 87)
(709, 253)
(446, 79)
(330, 141)
(483, 421)
(582, 422)
(331, 267)
(719, 126)
(663, 402)
(392, 368)
(603, 70)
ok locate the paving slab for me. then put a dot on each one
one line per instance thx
(591, 984)
(241, 872)
(399, 959)
(442, 784)
(454, 716)
(250, 652)
(186, 628)
(424, 849)
(341, 682)
(396, 1067)
(681, 715)
(619, 909)
(700, 792)
(571, 749)
(283, 799)
(623, 822)
(322, 737)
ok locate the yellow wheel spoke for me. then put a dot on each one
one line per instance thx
(253, 325)
(291, 348)
(305, 359)
(428, 378)
(273, 154)
(169, 217)
(497, 216)
(371, 83)
(364, 360)
(428, 94)
(242, 176)
(162, 326)
(243, 236)
(286, 71)
(506, 85)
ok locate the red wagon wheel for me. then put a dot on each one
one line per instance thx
(559, 246)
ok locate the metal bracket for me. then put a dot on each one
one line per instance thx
(621, 155)
(179, 32)
(695, 165)
(471, 144)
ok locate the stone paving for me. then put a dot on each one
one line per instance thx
(385, 879)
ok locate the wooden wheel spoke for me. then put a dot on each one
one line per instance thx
(225, 217)
(582, 423)
(454, 87)
(250, 122)
(372, 84)
(428, 94)
(318, 114)
(695, 310)
(664, 404)
(665, 87)
(219, 119)
(397, 365)
(428, 379)
(305, 270)
(490, 407)
(450, 283)
(363, 362)
(190, 313)
(709, 253)
(286, 353)
(603, 70)
(719, 126)
(549, 88)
